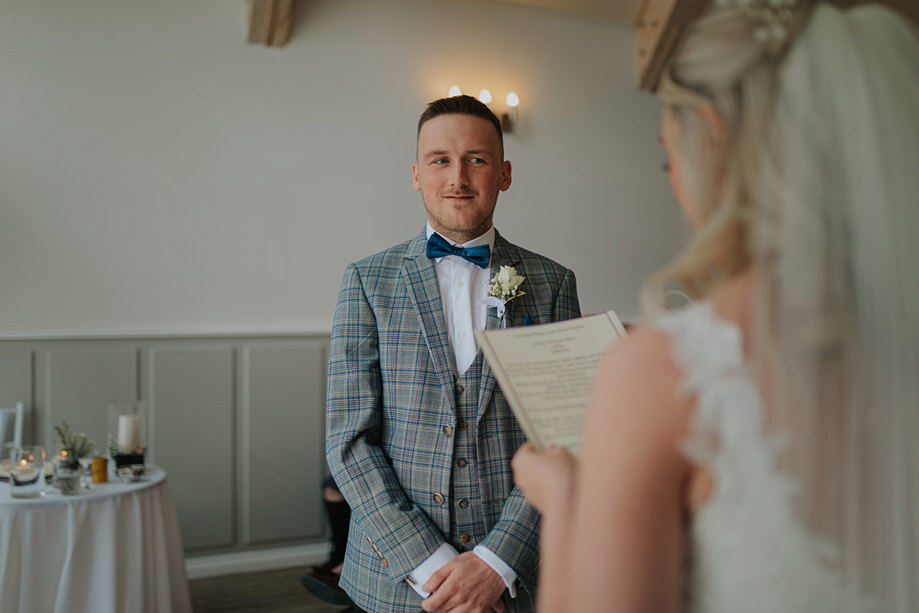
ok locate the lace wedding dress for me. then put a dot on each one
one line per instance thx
(748, 551)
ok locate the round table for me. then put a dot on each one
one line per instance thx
(112, 548)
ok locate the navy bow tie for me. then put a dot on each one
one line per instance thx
(438, 248)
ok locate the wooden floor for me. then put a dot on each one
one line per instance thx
(274, 591)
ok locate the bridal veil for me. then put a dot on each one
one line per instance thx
(837, 239)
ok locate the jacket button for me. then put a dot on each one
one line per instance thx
(464, 538)
(439, 498)
(459, 388)
(461, 462)
(463, 504)
(448, 431)
(461, 424)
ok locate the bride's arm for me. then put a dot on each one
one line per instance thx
(612, 531)
(628, 517)
(547, 480)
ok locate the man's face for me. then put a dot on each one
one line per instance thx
(459, 173)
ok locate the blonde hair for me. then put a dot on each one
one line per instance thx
(723, 64)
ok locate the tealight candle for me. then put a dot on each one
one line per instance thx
(24, 472)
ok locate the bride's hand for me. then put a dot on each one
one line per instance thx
(544, 476)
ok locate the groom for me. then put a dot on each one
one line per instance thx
(418, 438)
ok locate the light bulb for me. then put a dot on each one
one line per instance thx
(512, 99)
(455, 91)
(485, 96)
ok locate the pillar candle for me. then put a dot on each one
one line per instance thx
(128, 433)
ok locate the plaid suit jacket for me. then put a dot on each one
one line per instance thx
(390, 396)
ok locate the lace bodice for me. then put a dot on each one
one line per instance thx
(748, 551)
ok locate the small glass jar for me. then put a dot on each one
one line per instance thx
(127, 435)
(68, 472)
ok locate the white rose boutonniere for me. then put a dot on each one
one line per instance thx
(504, 287)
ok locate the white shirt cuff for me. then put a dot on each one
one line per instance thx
(420, 575)
(498, 565)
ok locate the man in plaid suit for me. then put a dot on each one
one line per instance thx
(418, 437)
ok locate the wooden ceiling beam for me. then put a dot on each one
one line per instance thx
(659, 25)
(270, 21)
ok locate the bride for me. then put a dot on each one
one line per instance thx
(759, 449)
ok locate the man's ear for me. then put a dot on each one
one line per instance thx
(505, 175)
(416, 182)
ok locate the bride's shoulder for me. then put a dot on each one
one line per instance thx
(644, 354)
(637, 387)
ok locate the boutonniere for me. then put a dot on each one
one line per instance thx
(503, 287)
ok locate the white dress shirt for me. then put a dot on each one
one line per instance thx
(462, 283)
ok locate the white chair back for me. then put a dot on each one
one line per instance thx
(11, 428)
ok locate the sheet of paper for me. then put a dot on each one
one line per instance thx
(546, 372)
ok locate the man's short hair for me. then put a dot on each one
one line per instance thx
(461, 105)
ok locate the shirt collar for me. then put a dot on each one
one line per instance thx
(485, 239)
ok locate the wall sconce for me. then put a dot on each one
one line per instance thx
(509, 118)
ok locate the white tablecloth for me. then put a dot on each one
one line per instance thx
(115, 548)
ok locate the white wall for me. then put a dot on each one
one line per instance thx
(158, 174)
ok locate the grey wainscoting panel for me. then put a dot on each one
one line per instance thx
(192, 410)
(76, 381)
(236, 421)
(16, 382)
(283, 405)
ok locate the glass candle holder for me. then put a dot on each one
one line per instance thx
(27, 472)
(127, 439)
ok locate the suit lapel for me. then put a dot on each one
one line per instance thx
(504, 254)
(423, 292)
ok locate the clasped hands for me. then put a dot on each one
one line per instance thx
(465, 584)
